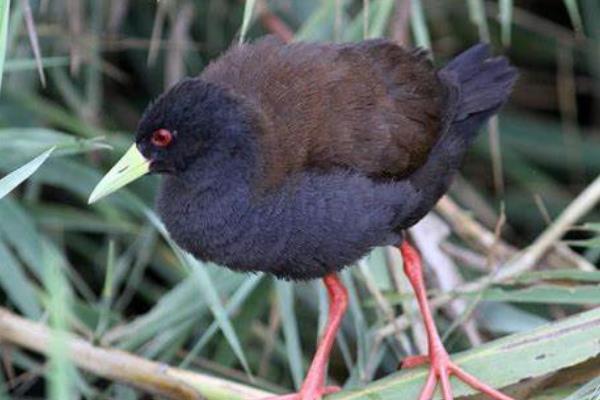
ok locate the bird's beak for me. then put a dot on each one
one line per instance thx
(130, 167)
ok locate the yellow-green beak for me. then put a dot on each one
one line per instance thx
(130, 167)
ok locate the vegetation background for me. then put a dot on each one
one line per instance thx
(507, 261)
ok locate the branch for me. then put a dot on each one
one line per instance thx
(157, 378)
(483, 239)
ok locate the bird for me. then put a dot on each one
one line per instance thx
(297, 159)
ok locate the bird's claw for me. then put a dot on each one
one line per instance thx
(441, 367)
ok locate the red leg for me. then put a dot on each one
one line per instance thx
(314, 387)
(441, 367)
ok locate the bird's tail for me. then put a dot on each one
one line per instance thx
(477, 86)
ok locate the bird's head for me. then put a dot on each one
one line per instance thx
(193, 119)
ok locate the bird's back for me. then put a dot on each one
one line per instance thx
(372, 107)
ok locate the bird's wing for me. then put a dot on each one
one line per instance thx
(372, 106)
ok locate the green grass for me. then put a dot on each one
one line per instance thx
(15, 178)
(4, 13)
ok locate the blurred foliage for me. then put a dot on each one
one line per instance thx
(108, 272)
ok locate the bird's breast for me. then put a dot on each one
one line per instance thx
(202, 222)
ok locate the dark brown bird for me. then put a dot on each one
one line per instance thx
(297, 159)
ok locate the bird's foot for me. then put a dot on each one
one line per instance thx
(308, 394)
(440, 369)
(314, 387)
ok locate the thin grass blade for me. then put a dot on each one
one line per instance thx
(107, 291)
(575, 15)
(379, 21)
(506, 14)
(477, 16)
(4, 13)
(24, 64)
(285, 300)
(33, 39)
(418, 25)
(16, 285)
(60, 373)
(15, 178)
(360, 325)
(207, 288)
(248, 9)
(237, 299)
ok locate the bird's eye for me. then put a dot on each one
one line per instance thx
(161, 138)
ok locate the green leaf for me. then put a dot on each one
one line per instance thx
(28, 64)
(4, 12)
(68, 218)
(285, 300)
(107, 291)
(574, 15)
(317, 26)
(19, 144)
(569, 274)
(529, 354)
(505, 318)
(19, 230)
(207, 289)
(546, 294)
(592, 226)
(381, 13)
(477, 16)
(359, 320)
(506, 13)
(60, 372)
(174, 307)
(237, 299)
(541, 293)
(16, 285)
(15, 178)
(248, 8)
(593, 242)
(419, 26)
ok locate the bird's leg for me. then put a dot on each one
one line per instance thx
(314, 387)
(441, 366)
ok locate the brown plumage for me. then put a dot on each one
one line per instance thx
(371, 106)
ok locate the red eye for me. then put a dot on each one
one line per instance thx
(161, 138)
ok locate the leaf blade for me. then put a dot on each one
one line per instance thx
(15, 178)
(4, 13)
(529, 354)
(248, 9)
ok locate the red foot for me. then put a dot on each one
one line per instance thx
(308, 395)
(440, 370)
(441, 367)
(314, 387)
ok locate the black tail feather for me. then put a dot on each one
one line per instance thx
(481, 83)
